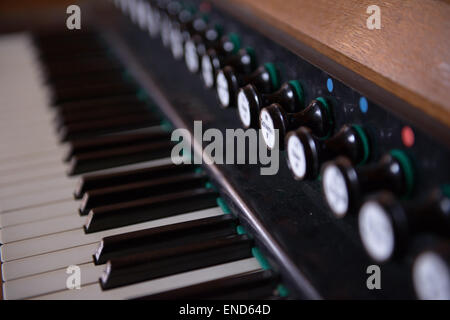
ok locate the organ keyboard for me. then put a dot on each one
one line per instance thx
(125, 162)
(89, 182)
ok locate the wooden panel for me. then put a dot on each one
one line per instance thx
(409, 56)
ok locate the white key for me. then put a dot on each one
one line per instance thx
(32, 166)
(67, 206)
(39, 213)
(23, 115)
(36, 198)
(147, 164)
(64, 240)
(94, 292)
(40, 228)
(40, 159)
(77, 255)
(7, 158)
(43, 128)
(35, 186)
(35, 183)
(49, 282)
(31, 117)
(44, 134)
(48, 262)
(33, 173)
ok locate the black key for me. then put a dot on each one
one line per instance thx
(68, 49)
(94, 128)
(114, 157)
(51, 38)
(250, 286)
(67, 108)
(142, 189)
(151, 208)
(114, 141)
(93, 91)
(85, 66)
(160, 263)
(101, 113)
(96, 51)
(97, 181)
(95, 66)
(165, 237)
(83, 81)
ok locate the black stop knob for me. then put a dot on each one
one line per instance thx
(214, 58)
(307, 152)
(274, 118)
(250, 101)
(198, 44)
(345, 185)
(230, 79)
(386, 224)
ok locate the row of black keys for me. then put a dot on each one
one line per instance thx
(97, 103)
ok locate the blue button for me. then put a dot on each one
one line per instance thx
(330, 85)
(363, 104)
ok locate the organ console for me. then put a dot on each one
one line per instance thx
(89, 178)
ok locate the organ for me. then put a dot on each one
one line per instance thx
(358, 117)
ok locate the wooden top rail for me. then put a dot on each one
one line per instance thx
(408, 57)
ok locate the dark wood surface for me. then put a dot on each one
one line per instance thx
(409, 56)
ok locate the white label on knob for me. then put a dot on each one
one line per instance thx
(176, 42)
(244, 109)
(222, 89)
(267, 129)
(335, 190)
(123, 5)
(133, 10)
(376, 231)
(296, 156)
(191, 56)
(143, 8)
(153, 21)
(150, 19)
(207, 72)
(431, 277)
(165, 31)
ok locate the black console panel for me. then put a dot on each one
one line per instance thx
(326, 252)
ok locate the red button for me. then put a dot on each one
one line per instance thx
(407, 136)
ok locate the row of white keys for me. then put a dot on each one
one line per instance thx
(61, 207)
(20, 260)
(41, 186)
(29, 181)
(59, 215)
(45, 226)
(94, 292)
(44, 166)
(57, 179)
(23, 98)
(36, 251)
(30, 153)
(45, 273)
